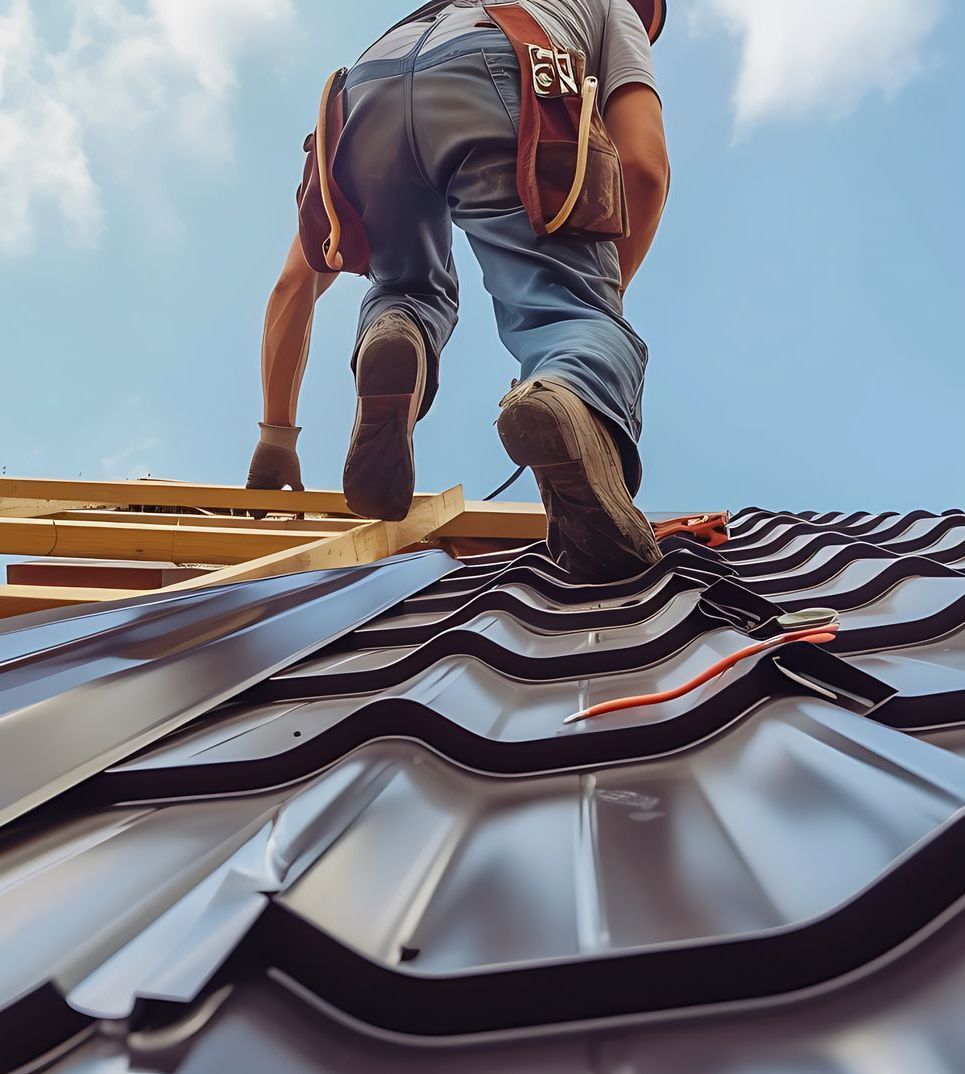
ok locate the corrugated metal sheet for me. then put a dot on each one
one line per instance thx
(392, 854)
(92, 688)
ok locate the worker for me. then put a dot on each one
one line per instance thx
(434, 118)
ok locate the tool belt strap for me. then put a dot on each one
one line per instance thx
(332, 234)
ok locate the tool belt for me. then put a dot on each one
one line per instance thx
(331, 231)
(567, 170)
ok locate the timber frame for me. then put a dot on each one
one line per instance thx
(176, 523)
(211, 531)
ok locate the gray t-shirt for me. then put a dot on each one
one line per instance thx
(609, 32)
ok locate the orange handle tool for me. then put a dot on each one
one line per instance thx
(815, 635)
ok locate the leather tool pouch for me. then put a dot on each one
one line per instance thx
(563, 189)
(332, 234)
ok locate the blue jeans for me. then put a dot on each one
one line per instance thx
(430, 140)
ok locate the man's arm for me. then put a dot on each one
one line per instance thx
(284, 353)
(634, 120)
(288, 332)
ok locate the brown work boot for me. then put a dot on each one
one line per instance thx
(593, 529)
(390, 379)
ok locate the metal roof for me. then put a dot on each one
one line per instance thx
(335, 821)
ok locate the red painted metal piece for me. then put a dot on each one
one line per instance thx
(709, 528)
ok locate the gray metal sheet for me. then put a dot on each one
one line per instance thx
(360, 832)
(79, 693)
(476, 874)
(905, 1019)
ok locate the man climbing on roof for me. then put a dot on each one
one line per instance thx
(454, 116)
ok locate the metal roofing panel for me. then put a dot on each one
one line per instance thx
(97, 686)
(401, 831)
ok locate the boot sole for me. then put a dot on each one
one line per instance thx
(379, 476)
(595, 530)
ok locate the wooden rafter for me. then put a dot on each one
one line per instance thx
(328, 524)
(21, 599)
(13, 507)
(45, 517)
(174, 494)
(245, 547)
(129, 540)
(479, 519)
(516, 521)
(365, 544)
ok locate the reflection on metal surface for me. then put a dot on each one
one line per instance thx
(97, 686)
(481, 720)
(392, 824)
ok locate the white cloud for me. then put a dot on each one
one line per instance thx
(802, 56)
(130, 77)
(42, 156)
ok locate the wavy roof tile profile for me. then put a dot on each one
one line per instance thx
(336, 821)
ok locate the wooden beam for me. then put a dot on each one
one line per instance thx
(522, 521)
(19, 508)
(172, 494)
(365, 544)
(154, 518)
(514, 520)
(173, 544)
(21, 599)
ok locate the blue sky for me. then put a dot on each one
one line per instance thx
(803, 303)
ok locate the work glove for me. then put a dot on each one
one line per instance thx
(275, 462)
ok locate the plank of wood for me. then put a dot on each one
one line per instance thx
(21, 599)
(173, 494)
(365, 544)
(522, 521)
(480, 519)
(513, 521)
(362, 544)
(153, 518)
(11, 507)
(171, 544)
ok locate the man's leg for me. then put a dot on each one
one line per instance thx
(411, 308)
(390, 384)
(559, 313)
(575, 418)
